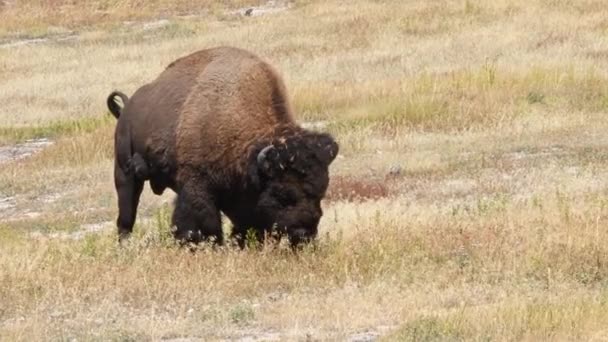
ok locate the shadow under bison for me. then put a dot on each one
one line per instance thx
(217, 128)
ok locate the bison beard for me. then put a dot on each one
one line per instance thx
(217, 128)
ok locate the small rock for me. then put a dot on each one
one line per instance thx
(248, 12)
(394, 170)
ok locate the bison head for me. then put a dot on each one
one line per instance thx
(294, 176)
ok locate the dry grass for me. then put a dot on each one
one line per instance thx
(493, 228)
(355, 189)
(54, 16)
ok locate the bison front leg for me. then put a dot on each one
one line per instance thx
(128, 189)
(196, 216)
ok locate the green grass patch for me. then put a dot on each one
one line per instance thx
(54, 129)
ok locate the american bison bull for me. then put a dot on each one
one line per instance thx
(217, 128)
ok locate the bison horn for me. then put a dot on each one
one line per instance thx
(262, 154)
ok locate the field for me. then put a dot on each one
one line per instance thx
(469, 200)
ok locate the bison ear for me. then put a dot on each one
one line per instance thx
(326, 148)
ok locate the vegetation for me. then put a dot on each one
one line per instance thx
(469, 201)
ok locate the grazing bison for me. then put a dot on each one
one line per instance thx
(217, 128)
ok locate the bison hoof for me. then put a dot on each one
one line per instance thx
(123, 238)
(188, 236)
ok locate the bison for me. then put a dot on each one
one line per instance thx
(218, 129)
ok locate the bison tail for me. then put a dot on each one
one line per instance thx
(113, 106)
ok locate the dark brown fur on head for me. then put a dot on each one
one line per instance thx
(291, 173)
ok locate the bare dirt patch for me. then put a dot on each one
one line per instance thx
(23, 150)
(6, 203)
(352, 189)
(7, 206)
(24, 41)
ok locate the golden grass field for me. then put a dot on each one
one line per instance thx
(469, 200)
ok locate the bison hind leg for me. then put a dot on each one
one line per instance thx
(128, 189)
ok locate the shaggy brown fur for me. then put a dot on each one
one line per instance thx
(217, 128)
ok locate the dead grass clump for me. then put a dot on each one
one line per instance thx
(352, 189)
(436, 17)
(354, 32)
